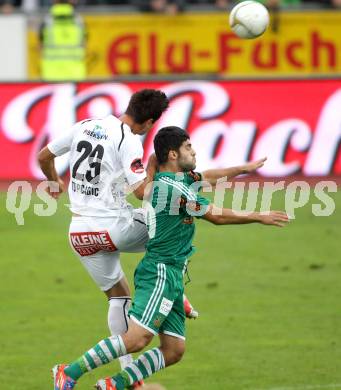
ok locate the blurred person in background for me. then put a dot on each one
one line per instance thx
(8, 6)
(335, 4)
(153, 386)
(63, 44)
(171, 7)
(275, 4)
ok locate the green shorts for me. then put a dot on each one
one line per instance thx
(158, 302)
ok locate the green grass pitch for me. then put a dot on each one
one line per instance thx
(269, 302)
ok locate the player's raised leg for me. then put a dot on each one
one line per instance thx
(104, 267)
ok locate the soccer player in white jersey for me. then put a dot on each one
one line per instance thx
(106, 157)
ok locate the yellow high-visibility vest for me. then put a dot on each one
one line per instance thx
(63, 46)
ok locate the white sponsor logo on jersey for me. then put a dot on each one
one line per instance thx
(166, 306)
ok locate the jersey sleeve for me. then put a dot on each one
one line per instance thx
(130, 153)
(62, 145)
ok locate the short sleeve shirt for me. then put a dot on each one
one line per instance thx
(105, 157)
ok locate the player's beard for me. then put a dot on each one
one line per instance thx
(186, 163)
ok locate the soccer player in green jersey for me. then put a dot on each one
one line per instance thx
(158, 306)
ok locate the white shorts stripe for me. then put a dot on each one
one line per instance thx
(174, 335)
(154, 291)
(152, 301)
(158, 296)
(152, 331)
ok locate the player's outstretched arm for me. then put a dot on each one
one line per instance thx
(213, 175)
(46, 162)
(219, 216)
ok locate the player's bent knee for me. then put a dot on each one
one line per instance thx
(179, 352)
(173, 354)
(141, 343)
(136, 338)
(135, 345)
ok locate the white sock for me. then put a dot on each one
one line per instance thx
(118, 322)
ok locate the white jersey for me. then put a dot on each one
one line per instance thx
(105, 157)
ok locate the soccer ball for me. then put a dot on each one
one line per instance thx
(249, 19)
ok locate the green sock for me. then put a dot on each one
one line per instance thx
(102, 353)
(144, 366)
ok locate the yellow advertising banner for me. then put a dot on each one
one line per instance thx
(296, 43)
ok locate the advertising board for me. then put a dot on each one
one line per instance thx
(296, 124)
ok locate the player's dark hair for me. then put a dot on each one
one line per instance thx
(167, 139)
(147, 104)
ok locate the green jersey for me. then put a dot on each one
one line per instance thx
(158, 303)
(175, 201)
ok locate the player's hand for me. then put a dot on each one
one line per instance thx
(55, 188)
(253, 165)
(275, 218)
